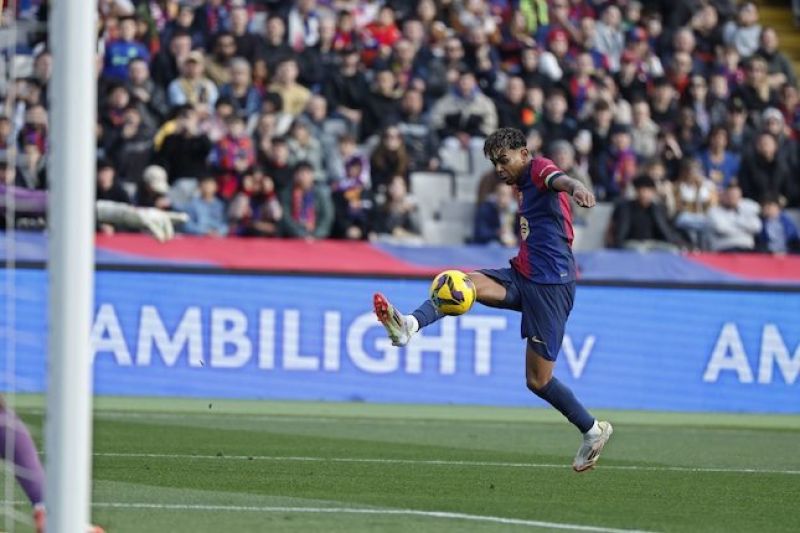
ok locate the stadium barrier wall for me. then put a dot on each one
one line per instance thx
(315, 338)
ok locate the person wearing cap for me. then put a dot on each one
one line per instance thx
(193, 87)
(154, 189)
(641, 224)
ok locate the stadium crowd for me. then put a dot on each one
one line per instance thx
(271, 118)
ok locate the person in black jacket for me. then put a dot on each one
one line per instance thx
(184, 152)
(642, 224)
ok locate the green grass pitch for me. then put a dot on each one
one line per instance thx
(164, 465)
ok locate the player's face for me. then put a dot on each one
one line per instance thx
(510, 164)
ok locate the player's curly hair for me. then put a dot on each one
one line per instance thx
(504, 139)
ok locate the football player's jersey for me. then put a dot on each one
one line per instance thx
(545, 248)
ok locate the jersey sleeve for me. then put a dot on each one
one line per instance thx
(543, 172)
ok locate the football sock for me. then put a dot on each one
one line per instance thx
(31, 475)
(426, 314)
(559, 396)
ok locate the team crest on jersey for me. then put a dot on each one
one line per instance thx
(524, 228)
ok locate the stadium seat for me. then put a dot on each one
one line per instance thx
(467, 187)
(794, 214)
(591, 234)
(430, 190)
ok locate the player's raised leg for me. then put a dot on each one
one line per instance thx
(539, 379)
(400, 328)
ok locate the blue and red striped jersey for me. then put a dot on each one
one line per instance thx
(545, 248)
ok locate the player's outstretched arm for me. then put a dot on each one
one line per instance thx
(583, 196)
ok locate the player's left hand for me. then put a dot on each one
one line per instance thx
(583, 197)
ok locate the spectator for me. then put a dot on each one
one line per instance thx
(641, 224)
(239, 90)
(779, 68)
(562, 154)
(664, 104)
(512, 111)
(304, 147)
(694, 196)
(756, 93)
(120, 52)
(248, 44)
(184, 152)
(153, 191)
(184, 22)
(232, 157)
(556, 124)
(617, 165)
(380, 35)
(382, 106)
(193, 87)
(294, 96)
(256, 210)
(107, 186)
(146, 93)
(219, 63)
(317, 61)
(131, 147)
(277, 166)
(275, 50)
(307, 207)
(389, 159)
(743, 34)
(719, 164)
(348, 151)
(496, 218)
(415, 128)
(740, 134)
(734, 222)
(610, 40)
(347, 88)
(166, 64)
(352, 202)
(764, 171)
(303, 25)
(464, 113)
(779, 233)
(644, 132)
(396, 217)
(206, 211)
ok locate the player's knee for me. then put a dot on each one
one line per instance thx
(536, 383)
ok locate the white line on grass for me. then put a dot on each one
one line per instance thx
(352, 510)
(349, 510)
(438, 462)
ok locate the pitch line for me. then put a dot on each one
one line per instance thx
(354, 510)
(350, 510)
(441, 462)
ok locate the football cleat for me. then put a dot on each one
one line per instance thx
(589, 452)
(396, 325)
(40, 521)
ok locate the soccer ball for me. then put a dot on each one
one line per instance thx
(452, 292)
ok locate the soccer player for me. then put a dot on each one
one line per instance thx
(540, 282)
(27, 467)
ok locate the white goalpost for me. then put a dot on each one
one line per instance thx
(71, 171)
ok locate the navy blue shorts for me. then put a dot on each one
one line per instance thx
(544, 308)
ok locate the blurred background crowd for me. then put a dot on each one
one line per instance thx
(355, 119)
